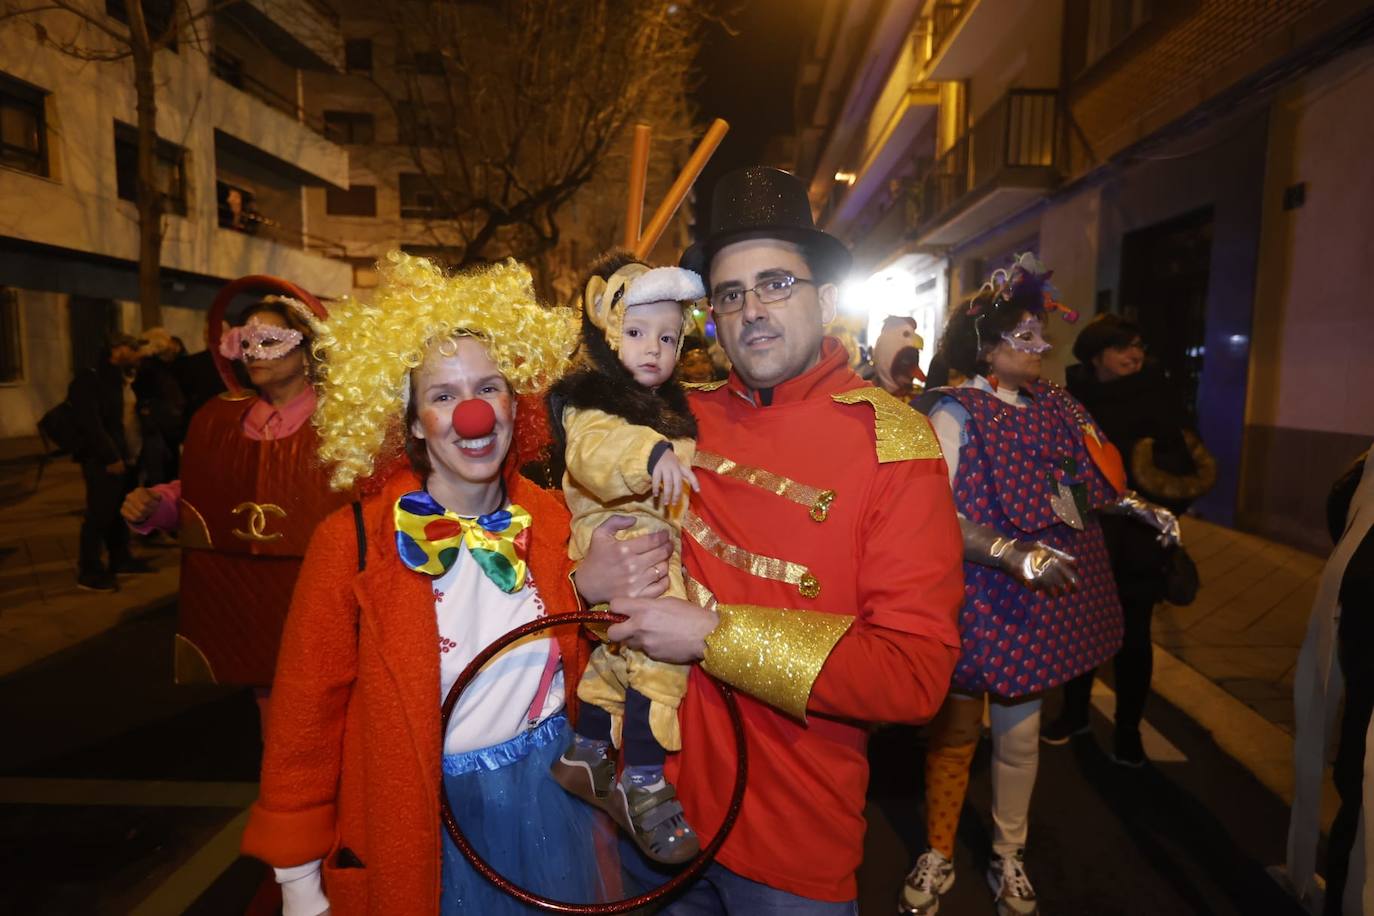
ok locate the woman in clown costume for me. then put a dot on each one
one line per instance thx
(1030, 471)
(449, 549)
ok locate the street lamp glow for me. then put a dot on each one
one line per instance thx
(889, 292)
(853, 296)
(898, 292)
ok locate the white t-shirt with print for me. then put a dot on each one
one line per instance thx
(473, 612)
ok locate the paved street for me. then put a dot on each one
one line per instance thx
(43, 610)
(1190, 834)
(123, 793)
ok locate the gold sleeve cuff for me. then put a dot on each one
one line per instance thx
(773, 654)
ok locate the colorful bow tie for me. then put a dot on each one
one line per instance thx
(428, 538)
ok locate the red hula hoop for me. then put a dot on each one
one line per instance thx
(693, 869)
(259, 283)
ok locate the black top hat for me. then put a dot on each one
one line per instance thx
(763, 203)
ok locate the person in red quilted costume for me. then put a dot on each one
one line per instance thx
(250, 494)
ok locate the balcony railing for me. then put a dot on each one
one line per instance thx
(326, 11)
(944, 20)
(230, 70)
(1020, 131)
(238, 212)
(250, 222)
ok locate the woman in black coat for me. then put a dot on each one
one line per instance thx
(1142, 415)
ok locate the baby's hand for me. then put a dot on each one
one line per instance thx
(669, 477)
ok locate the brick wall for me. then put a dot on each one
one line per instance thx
(1187, 52)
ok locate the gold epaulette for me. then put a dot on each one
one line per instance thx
(903, 434)
(704, 386)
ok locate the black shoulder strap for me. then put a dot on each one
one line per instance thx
(362, 535)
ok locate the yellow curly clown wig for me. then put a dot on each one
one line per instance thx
(367, 351)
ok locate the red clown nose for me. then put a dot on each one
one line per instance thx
(473, 419)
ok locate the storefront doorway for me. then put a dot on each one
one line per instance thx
(1164, 277)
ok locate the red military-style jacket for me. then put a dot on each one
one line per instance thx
(248, 509)
(886, 549)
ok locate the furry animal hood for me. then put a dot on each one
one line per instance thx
(602, 383)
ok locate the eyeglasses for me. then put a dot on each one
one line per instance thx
(775, 289)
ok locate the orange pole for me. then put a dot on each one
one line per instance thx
(639, 176)
(678, 192)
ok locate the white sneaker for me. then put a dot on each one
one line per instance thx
(932, 876)
(1011, 887)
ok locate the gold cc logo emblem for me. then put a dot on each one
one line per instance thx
(257, 521)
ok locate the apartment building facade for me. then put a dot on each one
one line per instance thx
(1192, 164)
(235, 154)
(388, 107)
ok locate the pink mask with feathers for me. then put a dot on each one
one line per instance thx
(259, 341)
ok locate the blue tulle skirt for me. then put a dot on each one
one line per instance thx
(526, 827)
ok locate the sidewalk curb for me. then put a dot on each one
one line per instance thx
(1256, 743)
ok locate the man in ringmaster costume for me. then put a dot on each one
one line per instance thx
(824, 562)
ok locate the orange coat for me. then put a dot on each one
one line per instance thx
(353, 748)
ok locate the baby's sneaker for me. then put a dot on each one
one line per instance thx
(650, 813)
(586, 770)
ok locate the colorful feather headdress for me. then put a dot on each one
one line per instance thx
(1024, 286)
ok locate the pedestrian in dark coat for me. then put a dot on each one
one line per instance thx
(1144, 417)
(199, 378)
(108, 451)
(161, 409)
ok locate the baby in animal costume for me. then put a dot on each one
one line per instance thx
(627, 437)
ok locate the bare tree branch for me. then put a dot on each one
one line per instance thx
(507, 133)
(9, 12)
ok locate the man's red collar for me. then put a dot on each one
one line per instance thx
(829, 376)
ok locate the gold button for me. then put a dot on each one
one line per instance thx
(809, 586)
(821, 508)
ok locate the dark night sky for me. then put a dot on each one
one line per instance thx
(748, 79)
